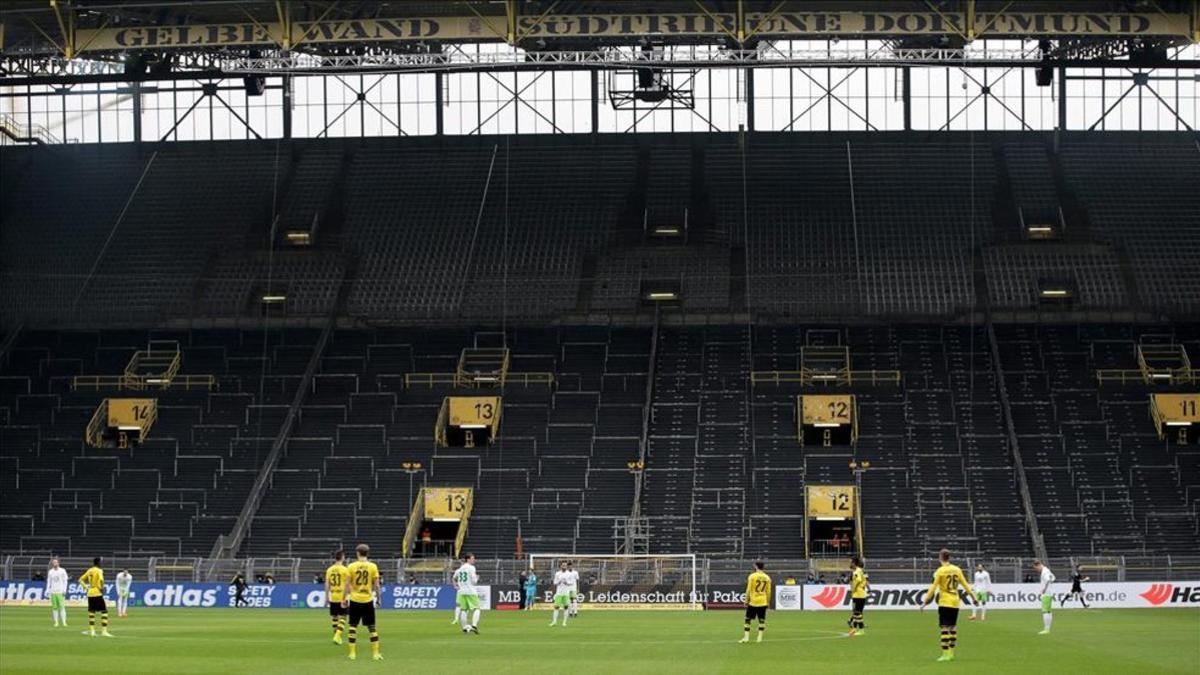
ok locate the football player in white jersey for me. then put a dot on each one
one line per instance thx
(1047, 578)
(563, 582)
(574, 588)
(982, 585)
(124, 582)
(465, 581)
(56, 590)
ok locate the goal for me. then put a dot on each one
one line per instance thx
(636, 581)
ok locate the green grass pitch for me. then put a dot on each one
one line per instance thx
(297, 641)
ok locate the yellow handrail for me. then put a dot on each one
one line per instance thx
(805, 377)
(415, 517)
(431, 380)
(150, 420)
(140, 382)
(439, 427)
(1127, 376)
(94, 433)
(462, 524)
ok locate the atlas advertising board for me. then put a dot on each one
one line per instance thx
(277, 596)
(1140, 594)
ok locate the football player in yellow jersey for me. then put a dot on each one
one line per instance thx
(758, 596)
(859, 585)
(362, 592)
(93, 580)
(950, 585)
(335, 591)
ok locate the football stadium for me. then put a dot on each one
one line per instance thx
(551, 336)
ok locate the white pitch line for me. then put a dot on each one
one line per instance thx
(827, 635)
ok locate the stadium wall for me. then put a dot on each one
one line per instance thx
(834, 597)
(1142, 594)
(263, 596)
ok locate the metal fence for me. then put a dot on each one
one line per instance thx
(716, 571)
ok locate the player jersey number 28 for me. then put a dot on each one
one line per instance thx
(362, 579)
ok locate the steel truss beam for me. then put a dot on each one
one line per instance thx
(459, 60)
(1141, 79)
(47, 70)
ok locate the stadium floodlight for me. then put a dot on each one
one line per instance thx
(1179, 424)
(1042, 224)
(1056, 291)
(655, 291)
(273, 299)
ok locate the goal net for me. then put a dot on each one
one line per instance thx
(623, 581)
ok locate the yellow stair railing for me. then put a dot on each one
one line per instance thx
(462, 524)
(94, 434)
(415, 517)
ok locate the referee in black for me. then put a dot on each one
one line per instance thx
(1076, 589)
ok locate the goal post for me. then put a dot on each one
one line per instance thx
(634, 581)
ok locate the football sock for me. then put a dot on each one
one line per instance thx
(374, 640)
(475, 618)
(1047, 618)
(945, 640)
(352, 640)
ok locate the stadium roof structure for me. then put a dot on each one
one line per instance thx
(46, 40)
